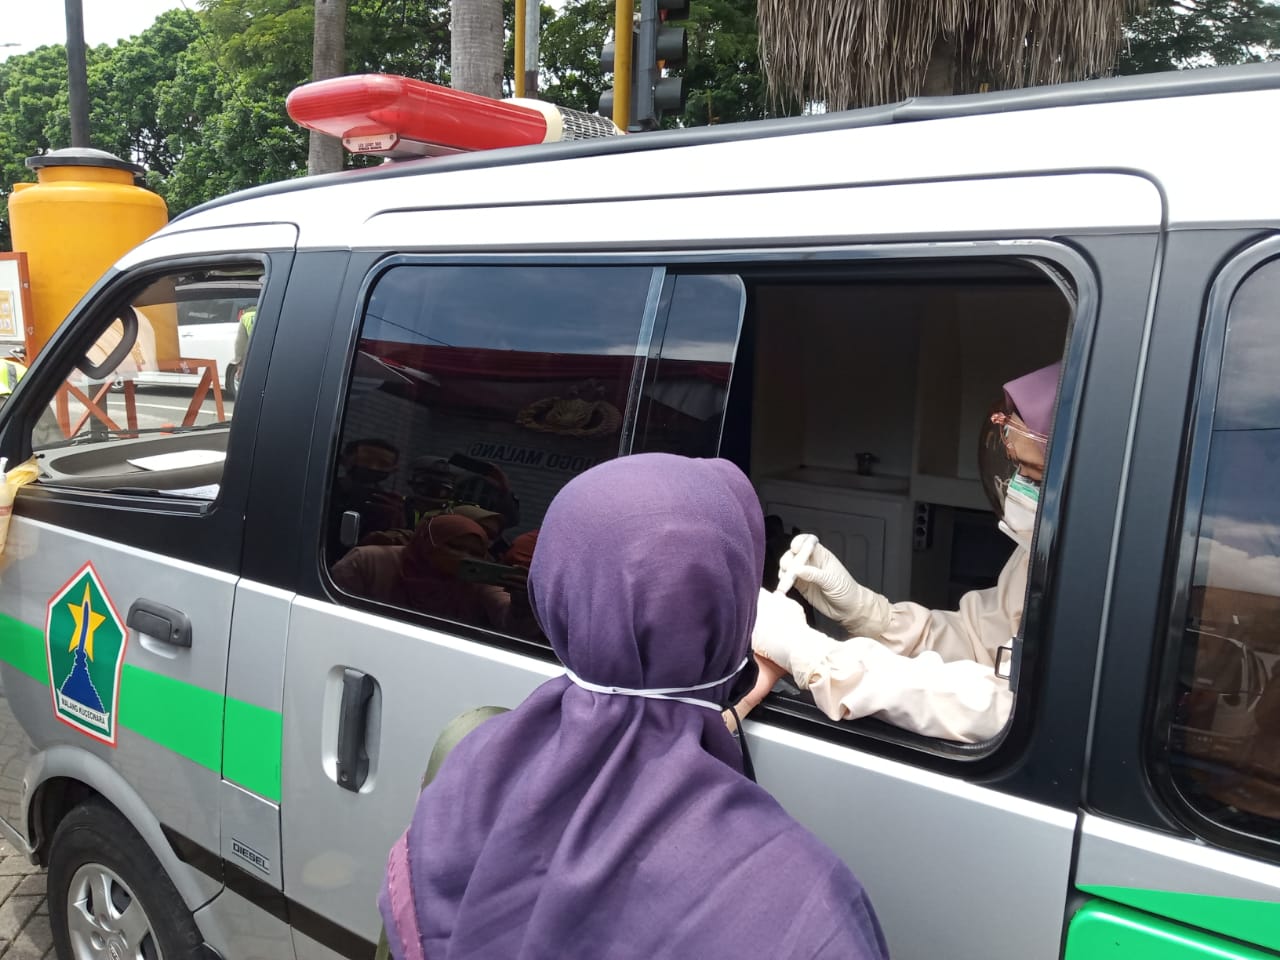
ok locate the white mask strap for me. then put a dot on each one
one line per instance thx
(662, 693)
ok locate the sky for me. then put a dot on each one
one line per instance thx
(34, 23)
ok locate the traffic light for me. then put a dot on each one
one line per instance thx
(655, 46)
(608, 61)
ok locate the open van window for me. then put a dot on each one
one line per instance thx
(854, 395)
(858, 399)
(101, 431)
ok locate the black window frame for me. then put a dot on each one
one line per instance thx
(1064, 263)
(204, 532)
(1184, 543)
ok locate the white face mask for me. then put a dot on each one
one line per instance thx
(1021, 499)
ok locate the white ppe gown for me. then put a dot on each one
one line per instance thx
(928, 671)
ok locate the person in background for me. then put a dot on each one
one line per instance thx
(490, 523)
(11, 371)
(364, 466)
(928, 671)
(244, 331)
(423, 574)
(520, 553)
(609, 814)
(431, 483)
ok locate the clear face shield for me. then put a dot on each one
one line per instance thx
(1011, 459)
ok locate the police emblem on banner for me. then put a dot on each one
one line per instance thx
(85, 639)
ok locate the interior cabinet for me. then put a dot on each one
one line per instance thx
(908, 374)
(867, 530)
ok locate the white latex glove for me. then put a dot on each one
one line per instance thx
(781, 635)
(826, 584)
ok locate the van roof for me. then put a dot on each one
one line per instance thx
(1172, 128)
(1185, 83)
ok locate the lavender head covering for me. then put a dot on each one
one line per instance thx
(1033, 395)
(598, 825)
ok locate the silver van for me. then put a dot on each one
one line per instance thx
(220, 688)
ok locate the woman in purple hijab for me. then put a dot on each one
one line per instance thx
(608, 815)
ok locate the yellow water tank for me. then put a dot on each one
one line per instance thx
(80, 216)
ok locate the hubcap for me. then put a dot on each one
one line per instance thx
(105, 920)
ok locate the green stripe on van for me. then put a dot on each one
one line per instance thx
(1107, 931)
(1254, 921)
(179, 716)
(22, 647)
(252, 744)
(184, 718)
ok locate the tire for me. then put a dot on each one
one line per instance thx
(96, 857)
(229, 383)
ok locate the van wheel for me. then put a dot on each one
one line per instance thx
(229, 384)
(109, 898)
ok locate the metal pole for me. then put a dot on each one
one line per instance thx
(77, 76)
(532, 24)
(646, 55)
(517, 67)
(624, 15)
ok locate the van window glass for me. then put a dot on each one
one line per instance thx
(687, 381)
(476, 393)
(149, 406)
(1224, 741)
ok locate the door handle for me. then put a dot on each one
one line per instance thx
(353, 726)
(162, 622)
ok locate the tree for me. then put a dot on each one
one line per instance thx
(569, 47)
(476, 59)
(123, 83)
(723, 79)
(327, 60)
(859, 52)
(1176, 34)
(225, 104)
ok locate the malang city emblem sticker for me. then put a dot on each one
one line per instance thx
(85, 639)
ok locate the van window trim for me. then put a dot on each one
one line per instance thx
(1184, 541)
(1060, 263)
(112, 293)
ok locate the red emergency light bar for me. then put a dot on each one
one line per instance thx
(398, 117)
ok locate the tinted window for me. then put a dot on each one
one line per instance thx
(687, 382)
(476, 393)
(1225, 736)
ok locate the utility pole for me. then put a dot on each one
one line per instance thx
(77, 76)
(328, 51)
(532, 22)
(475, 47)
(517, 68)
(624, 15)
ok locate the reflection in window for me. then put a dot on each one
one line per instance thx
(1225, 743)
(475, 394)
(687, 383)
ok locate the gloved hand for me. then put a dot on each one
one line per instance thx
(782, 635)
(827, 585)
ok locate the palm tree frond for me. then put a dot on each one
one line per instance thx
(861, 52)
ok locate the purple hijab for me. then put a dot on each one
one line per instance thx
(594, 825)
(1033, 394)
